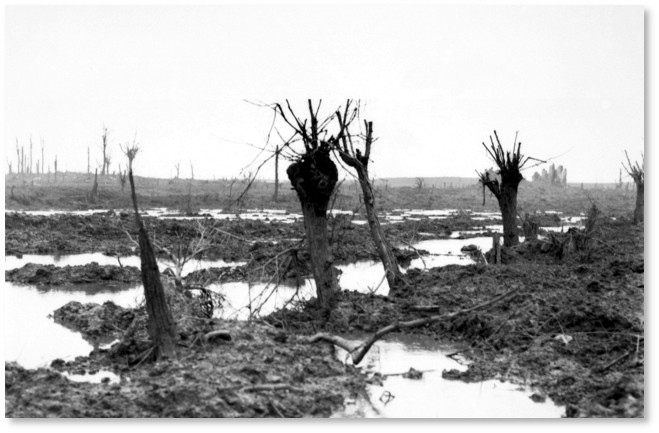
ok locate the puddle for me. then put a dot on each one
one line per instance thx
(368, 276)
(35, 340)
(431, 396)
(447, 251)
(32, 338)
(56, 212)
(98, 377)
(243, 300)
(13, 262)
(252, 214)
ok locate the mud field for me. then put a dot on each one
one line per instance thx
(573, 330)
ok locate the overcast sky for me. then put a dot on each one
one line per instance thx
(435, 80)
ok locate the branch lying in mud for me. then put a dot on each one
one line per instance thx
(219, 334)
(358, 351)
(409, 245)
(231, 235)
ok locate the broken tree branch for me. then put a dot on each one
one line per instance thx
(358, 351)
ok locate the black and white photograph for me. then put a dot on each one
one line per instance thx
(324, 210)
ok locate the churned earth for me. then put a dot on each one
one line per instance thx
(574, 328)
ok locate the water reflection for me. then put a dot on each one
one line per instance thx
(98, 377)
(32, 338)
(431, 396)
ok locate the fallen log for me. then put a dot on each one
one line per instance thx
(358, 351)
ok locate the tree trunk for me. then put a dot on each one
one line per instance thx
(314, 177)
(276, 196)
(93, 195)
(496, 249)
(391, 269)
(640, 203)
(322, 261)
(162, 328)
(508, 206)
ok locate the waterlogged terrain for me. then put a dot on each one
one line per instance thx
(242, 300)
(407, 382)
(511, 364)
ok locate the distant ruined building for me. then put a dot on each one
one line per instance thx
(553, 176)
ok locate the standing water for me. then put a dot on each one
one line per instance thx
(432, 396)
(33, 339)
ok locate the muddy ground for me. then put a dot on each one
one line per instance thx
(51, 275)
(261, 245)
(255, 374)
(574, 329)
(248, 370)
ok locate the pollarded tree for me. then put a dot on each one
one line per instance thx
(162, 328)
(354, 158)
(637, 172)
(504, 184)
(314, 175)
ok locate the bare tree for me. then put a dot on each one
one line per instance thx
(276, 195)
(191, 170)
(505, 183)
(104, 146)
(42, 157)
(29, 168)
(177, 166)
(186, 249)
(637, 172)
(162, 328)
(107, 162)
(314, 175)
(18, 157)
(55, 168)
(88, 162)
(354, 158)
(419, 183)
(93, 195)
(122, 178)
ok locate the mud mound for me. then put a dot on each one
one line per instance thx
(94, 321)
(216, 275)
(51, 275)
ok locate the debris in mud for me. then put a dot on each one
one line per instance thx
(413, 374)
(538, 398)
(51, 275)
